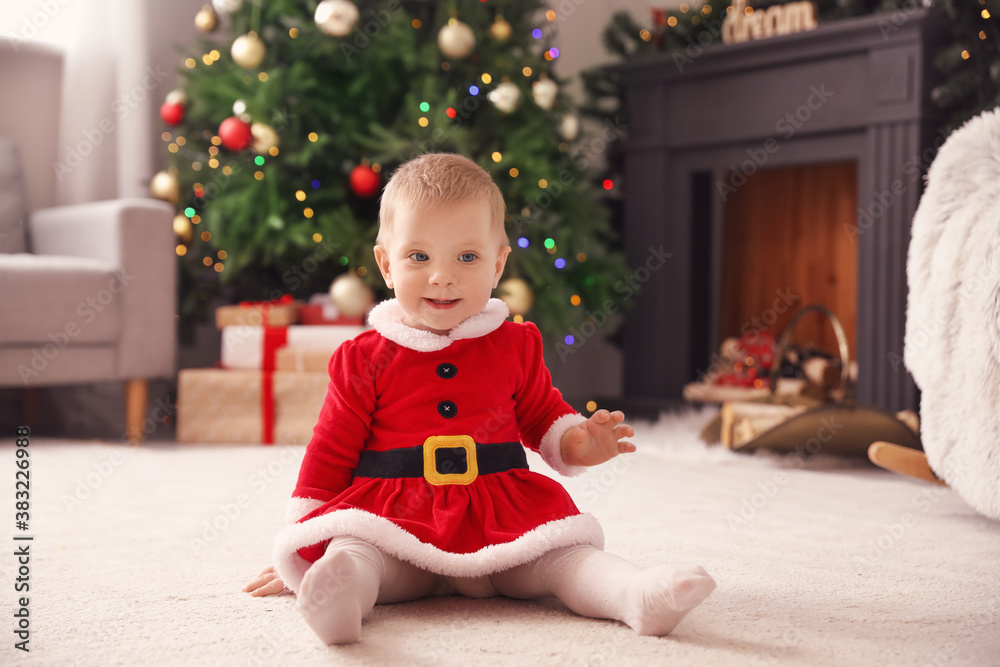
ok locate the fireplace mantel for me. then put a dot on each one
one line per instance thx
(851, 90)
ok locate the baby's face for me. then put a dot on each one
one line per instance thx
(442, 262)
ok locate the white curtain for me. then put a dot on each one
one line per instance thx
(116, 77)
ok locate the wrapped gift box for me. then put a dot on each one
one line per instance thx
(321, 310)
(302, 359)
(215, 405)
(317, 315)
(280, 313)
(243, 346)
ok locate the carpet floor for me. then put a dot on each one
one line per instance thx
(139, 554)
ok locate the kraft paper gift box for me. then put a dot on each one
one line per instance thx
(216, 406)
(278, 313)
(243, 347)
(302, 359)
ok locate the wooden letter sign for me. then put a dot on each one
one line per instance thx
(776, 20)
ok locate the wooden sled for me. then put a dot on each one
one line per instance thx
(903, 460)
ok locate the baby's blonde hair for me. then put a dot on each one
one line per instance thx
(435, 178)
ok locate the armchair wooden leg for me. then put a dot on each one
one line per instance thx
(30, 402)
(136, 401)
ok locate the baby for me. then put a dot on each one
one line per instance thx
(415, 482)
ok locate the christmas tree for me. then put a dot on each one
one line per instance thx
(282, 132)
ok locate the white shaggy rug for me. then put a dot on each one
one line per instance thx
(139, 555)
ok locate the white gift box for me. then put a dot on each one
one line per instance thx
(243, 345)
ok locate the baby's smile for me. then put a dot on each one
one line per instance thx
(441, 303)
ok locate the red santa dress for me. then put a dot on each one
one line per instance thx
(398, 399)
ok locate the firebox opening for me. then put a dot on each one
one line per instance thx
(785, 243)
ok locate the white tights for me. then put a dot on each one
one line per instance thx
(353, 576)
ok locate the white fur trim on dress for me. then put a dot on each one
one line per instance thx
(551, 445)
(299, 507)
(387, 318)
(393, 540)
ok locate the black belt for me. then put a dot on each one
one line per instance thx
(443, 460)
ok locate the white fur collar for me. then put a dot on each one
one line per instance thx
(387, 318)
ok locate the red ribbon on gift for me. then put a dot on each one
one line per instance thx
(274, 338)
(280, 301)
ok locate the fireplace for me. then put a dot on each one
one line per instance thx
(779, 173)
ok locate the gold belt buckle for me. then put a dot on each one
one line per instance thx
(436, 442)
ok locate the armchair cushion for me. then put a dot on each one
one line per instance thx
(12, 206)
(136, 238)
(48, 298)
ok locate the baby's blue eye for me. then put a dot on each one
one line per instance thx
(468, 257)
(419, 256)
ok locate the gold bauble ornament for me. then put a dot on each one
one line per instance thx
(206, 20)
(264, 137)
(500, 30)
(248, 50)
(336, 17)
(517, 294)
(182, 227)
(456, 40)
(164, 185)
(351, 295)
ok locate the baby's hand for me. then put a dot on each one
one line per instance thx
(267, 583)
(597, 440)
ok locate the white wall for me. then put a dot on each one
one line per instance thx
(49, 21)
(579, 24)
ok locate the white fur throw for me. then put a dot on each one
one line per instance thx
(952, 343)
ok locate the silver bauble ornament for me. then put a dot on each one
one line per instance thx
(456, 39)
(569, 127)
(227, 6)
(176, 96)
(336, 17)
(505, 97)
(544, 91)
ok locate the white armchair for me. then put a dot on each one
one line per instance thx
(87, 292)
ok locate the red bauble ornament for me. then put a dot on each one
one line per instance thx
(235, 134)
(365, 181)
(172, 113)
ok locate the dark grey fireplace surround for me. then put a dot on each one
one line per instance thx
(855, 89)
